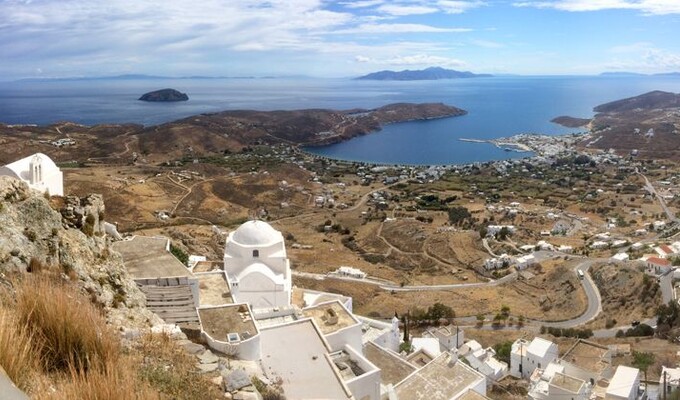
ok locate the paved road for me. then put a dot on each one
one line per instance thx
(650, 188)
(390, 286)
(666, 284)
(592, 293)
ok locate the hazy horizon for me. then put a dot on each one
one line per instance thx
(336, 39)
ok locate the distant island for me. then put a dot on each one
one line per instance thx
(164, 95)
(428, 74)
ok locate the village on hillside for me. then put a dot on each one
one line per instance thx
(547, 277)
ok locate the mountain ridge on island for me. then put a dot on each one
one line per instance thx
(432, 73)
(164, 95)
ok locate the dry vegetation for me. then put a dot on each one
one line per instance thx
(627, 294)
(55, 344)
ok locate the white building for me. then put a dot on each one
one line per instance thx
(39, 172)
(672, 377)
(351, 272)
(525, 261)
(658, 225)
(599, 245)
(492, 230)
(565, 249)
(553, 383)
(498, 262)
(257, 267)
(449, 337)
(624, 385)
(526, 356)
(484, 361)
(621, 257)
(658, 266)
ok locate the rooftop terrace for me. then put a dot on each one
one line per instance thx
(588, 356)
(147, 257)
(566, 382)
(439, 380)
(213, 289)
(296, 354)
(219, 322)
(393, 369)
(330, 317)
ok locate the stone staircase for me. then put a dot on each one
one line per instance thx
(174, 304)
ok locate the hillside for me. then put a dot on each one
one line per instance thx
(432, 73)
(234, 130)
(67, 235)
(649, 101)
(206, 134)
(647, 125)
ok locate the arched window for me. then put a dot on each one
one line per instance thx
(256, 253)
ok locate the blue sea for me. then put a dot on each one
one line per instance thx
(497, 107)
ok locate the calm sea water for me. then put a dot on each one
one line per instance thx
(498, 106)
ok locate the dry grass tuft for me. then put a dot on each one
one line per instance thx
(16, 351)
(171, 371)
(66, 327)
(55, 344)
(112, 382)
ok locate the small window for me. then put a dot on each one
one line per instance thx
(539, 365)
(256, 253)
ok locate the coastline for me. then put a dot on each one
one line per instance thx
(502, 144)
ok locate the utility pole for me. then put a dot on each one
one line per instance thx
(521, 359)
(664, 384)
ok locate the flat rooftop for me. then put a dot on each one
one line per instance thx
(472, 395)
(419, 358)
(207, 266)
(349, 369)
(393, 369)
(219, 322)
(325, 317)
(213, 289)
(589, 356)
(438, 380)
(296, 354)
(307, 297)
(566, 382)
(146, 257)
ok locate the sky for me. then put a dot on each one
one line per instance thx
(69, 38)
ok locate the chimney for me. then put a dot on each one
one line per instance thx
(454, 357)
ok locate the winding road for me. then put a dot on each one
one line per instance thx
(593, 309)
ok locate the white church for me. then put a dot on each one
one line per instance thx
(309, 341)
(257, 267)
(39, 172)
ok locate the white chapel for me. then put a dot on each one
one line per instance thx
(257, 267)
(39, 172)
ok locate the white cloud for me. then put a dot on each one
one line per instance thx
(458, 7)
(426, 60)
(362, 3)
(417, 7)
(641, 57)
(419, 60)
(401, 10)
(647, 7)
(398, 28)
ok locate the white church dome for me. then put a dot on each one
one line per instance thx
(253, 233)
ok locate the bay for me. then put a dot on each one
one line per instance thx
(497, 107)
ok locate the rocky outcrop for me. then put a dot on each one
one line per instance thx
(35, 236)
(164, 95)
(86, 214)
